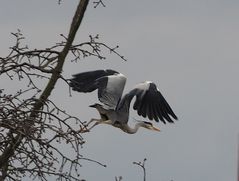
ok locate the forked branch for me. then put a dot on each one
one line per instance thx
(142, 165)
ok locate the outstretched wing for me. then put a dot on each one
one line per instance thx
(110, 85)
(149, 103)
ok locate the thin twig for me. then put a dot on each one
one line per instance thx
(142, 165)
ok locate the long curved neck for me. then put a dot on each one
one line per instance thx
(134, 129)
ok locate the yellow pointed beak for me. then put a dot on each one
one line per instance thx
(155, 129)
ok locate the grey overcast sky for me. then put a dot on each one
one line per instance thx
(190, 48)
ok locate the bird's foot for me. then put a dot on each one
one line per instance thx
(85, 128)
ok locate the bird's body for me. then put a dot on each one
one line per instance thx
(115, 109)
(111, 116)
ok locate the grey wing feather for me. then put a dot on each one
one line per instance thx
(149, 103)
(110, 85)
(111, 89)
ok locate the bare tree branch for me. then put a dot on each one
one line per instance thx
(97, 3)
(27, 136)
(142, 165)
(33, 127)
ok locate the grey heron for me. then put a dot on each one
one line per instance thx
(149, 101)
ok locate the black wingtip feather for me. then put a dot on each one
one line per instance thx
(169, 109)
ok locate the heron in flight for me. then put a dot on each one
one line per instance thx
(149, 101)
